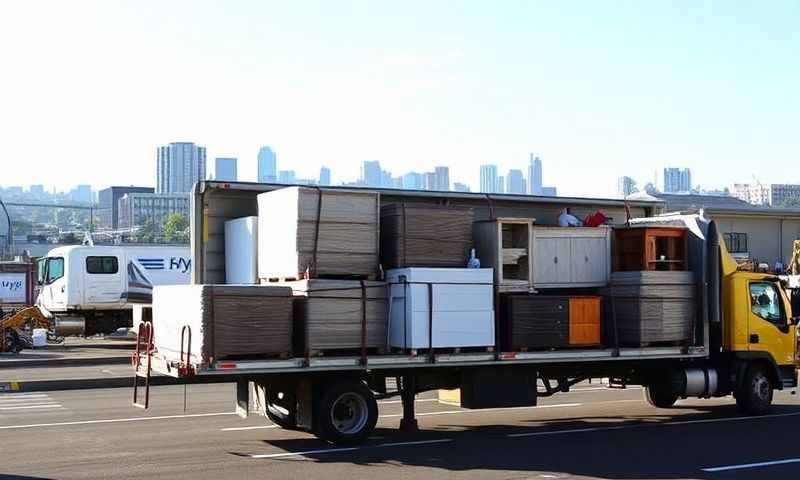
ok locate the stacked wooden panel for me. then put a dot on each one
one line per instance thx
(531, 322)
(224, 321)
(312, 233)
(651, 307)
(329, 314)
(425, 236)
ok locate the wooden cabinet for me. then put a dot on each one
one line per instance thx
(570, 257)
(549, 321)
(504, 244)
(650, 248)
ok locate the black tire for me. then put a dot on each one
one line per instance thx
(754, 395)
(345, 413)
(660, 396)
(12, 342)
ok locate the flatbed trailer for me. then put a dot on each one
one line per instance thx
(335, 397)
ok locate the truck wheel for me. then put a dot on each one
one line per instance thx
(12, 341)
(660, 396)
(346, 413)
(754, 396)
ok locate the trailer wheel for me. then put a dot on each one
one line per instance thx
(754, 396)
(346, 413)
(12, 342)
(660, 395)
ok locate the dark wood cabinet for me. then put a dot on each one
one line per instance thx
(650, 248)
(543, 321)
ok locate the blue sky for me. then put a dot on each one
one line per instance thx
(597, 89)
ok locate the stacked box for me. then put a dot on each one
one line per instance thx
(225, 321)
(425, 236)
(312, 233)
(329, 314)
(651, 307)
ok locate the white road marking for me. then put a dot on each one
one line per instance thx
(17, 396)
(239, 429)
(390, 402)
(113, 420)
(25, 407)
(751, 465)
(646, 425)
(349, 449)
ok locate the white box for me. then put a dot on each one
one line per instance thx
(463, 307)
(241, 251)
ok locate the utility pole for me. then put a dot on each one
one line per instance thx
(10, 234)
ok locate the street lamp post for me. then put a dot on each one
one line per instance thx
(10, 234)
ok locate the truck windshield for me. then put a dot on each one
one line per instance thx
(55, 269)
(765, 302)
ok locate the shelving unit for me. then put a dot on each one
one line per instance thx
(505, 245)
(650, 248)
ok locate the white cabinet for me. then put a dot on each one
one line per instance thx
(462, 302)
(571, 257)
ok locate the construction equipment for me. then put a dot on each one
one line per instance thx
(15, 328)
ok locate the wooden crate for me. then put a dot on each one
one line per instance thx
(425, 236)
(650, 248)
(295, 241)
(328, 315)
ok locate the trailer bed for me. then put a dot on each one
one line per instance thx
(162, 366)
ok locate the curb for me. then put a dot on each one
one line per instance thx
(93, 383)
(65, 362)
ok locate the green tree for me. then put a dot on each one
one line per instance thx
(146, 232)
(791, 202)
(176, 228)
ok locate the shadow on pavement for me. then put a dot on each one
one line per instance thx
(626, 447)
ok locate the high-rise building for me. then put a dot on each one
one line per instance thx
(371, 173)
(287, 176)
(81, 194)
(516, 182)
(267, 165)
(500, 187)
(774, 194)
(535, 175)
(460, 187)
(489, 178)
(324, 176)
(626, 186)
(549, 192)
(429, 181)
(180, 166)
(442, 180)
(677, 180)
(225, 169)
(108, 203)
(37, 190)
(413, 181)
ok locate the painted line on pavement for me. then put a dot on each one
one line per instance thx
(27, 407)
(239, 429)
(113, 420)
(646, 425)
(349, 449)
(751, 465)
(390, 402)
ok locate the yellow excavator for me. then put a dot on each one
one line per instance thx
(14, 326)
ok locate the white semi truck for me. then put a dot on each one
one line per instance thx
(92, 289)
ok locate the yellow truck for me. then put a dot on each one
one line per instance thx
(744, 342)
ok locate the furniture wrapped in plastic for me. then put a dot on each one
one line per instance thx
(316, 232)
(651, 308)
(329, 314)
(415, 235)
(462, 303)
(225, 321)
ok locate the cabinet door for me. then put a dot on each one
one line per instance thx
(551, 260)
(589, 260)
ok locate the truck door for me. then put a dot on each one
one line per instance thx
(54, 284)
(103, 280)
(769, 327)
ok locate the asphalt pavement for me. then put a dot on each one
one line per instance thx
(591, 432)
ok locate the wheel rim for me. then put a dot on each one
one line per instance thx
(349, 413)
(761, 387)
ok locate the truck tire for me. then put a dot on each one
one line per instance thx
(346, 413)
(754, 395)
(660, 396)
